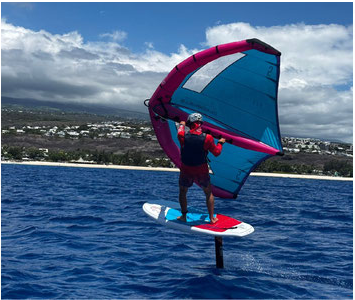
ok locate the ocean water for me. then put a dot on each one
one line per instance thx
(73, 233)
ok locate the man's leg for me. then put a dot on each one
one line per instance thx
(183, 202)
(210, 202)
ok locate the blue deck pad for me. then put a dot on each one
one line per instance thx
(192, 217)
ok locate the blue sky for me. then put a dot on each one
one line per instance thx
(167, 25)
(117, 53)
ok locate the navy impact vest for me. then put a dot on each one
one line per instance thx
(193, 152)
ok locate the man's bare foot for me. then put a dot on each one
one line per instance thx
(214, 220)
(182, 218)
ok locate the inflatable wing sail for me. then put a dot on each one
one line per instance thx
(234, 86)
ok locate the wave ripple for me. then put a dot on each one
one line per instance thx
(81, 233)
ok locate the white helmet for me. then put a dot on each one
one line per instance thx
(195, 117)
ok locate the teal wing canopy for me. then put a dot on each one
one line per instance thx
(236, 93)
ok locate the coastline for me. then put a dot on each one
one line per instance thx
(122, 167)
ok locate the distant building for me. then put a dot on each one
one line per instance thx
(125, 135)
(73, 134)
(61, 134)
(85, 132)
(291, 150)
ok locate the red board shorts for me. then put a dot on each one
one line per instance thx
(187, 179)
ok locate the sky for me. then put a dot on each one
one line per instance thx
(117, 53)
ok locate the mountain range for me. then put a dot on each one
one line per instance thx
(74, 107)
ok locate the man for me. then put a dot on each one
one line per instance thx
(194, 149)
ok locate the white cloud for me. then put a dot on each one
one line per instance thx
(315, 90)
(116, 36)
(149, 45)
(316, 54)
(315, 95)
(40, 65)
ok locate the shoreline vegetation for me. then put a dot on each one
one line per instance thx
(141, 153)
(165, 169)
(45, 135)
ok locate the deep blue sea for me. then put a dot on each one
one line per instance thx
(74, 233)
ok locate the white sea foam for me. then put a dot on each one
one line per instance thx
(122, 167)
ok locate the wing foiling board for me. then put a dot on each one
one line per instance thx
(166, 213)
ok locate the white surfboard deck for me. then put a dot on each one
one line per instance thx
(166, 213)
